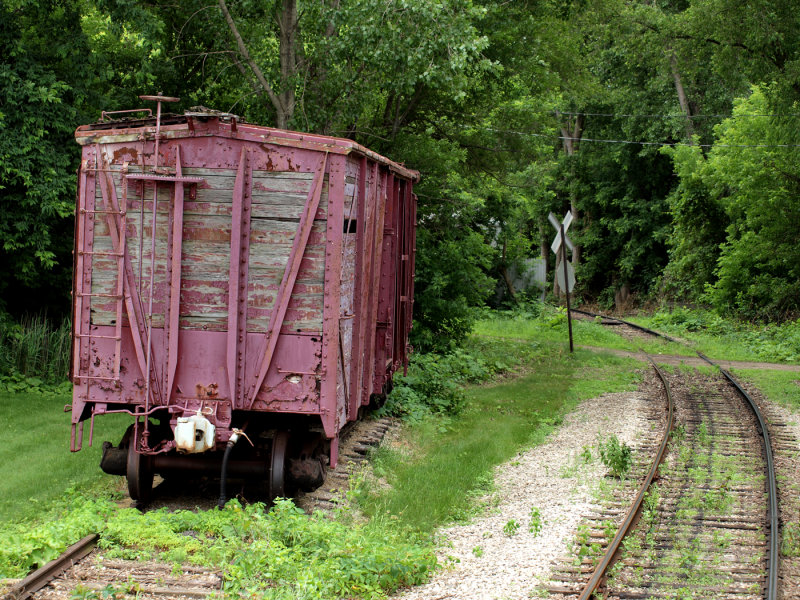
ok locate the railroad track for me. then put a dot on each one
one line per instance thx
(78, 572)
(707, 525)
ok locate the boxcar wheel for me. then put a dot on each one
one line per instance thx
(140, 475)
(277, 471)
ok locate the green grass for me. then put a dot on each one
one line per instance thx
(450, 461)
(722, 338)
(36, 466)
(552, 327)
(781, 387)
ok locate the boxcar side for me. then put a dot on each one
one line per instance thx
(234, 280)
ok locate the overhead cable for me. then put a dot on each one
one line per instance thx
(639, 143)
(669, 116)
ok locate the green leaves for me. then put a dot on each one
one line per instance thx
(749, 176)
(280, 553)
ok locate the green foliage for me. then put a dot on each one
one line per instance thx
(535, 525)
(434, 383)
(772, 342)
(37, 118)
(754, 181)
(790, 539)
(280, 553)
(33, 352)
(28, 546)
(698, 228)
(615, 455)
(449, 284)
(511, 527)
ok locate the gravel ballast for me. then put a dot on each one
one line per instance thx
(485, 559)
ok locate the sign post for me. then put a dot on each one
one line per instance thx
(559, 247)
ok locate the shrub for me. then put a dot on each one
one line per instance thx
(615, 455)
(434, 382)
(35, 348)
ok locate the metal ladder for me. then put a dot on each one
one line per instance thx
(119, 217)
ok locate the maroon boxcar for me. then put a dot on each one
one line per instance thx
(231, 281)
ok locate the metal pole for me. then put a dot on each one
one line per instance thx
(566, 285)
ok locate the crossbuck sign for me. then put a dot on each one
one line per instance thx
(565, 273)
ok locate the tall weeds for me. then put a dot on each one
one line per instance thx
(35, 347)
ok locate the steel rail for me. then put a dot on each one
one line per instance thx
(44, 575)
(772, 488)
(629, 324)
(636, 507)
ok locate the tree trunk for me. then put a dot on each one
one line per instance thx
(673, 63)
(509, 284)
(571, 133)
(506, 278)
(288, 33)
(284, 100)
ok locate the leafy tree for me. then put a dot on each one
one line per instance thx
(755, 181)
(38, 99)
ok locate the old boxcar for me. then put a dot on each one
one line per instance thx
(237, 288)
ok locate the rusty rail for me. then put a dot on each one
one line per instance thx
(44, 575)
(772, 486)
(636, 507)
(774, 536)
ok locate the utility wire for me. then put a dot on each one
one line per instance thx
(668, 116)
(634, 142)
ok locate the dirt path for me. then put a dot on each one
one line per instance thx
(696, 361)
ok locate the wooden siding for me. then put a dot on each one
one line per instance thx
(278, 200)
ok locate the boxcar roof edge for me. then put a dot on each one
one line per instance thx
(119, 132)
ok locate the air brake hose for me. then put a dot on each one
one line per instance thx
(224, 475)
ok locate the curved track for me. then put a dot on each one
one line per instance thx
(613, 550)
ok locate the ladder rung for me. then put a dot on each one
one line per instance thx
(153, 177)
(103, 212)
(117, 296)
(99, 337)
(98, 378)
(101, 253)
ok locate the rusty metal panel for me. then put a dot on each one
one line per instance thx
(371, 316)
(384, 358)
(347, 314)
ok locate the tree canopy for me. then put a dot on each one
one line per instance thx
(650, 121)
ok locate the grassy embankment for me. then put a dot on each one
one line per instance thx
(448, 461)
(36, 466)
(722, 338)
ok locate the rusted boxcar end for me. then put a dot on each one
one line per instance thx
(231, 281)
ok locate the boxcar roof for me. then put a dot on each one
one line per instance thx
(179, 126)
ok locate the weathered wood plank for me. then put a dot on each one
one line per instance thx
(278, 202)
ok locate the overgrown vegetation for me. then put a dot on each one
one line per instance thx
(435, 382)
(718, 335)
(615, 455)
(282, 553)
(33, 352)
